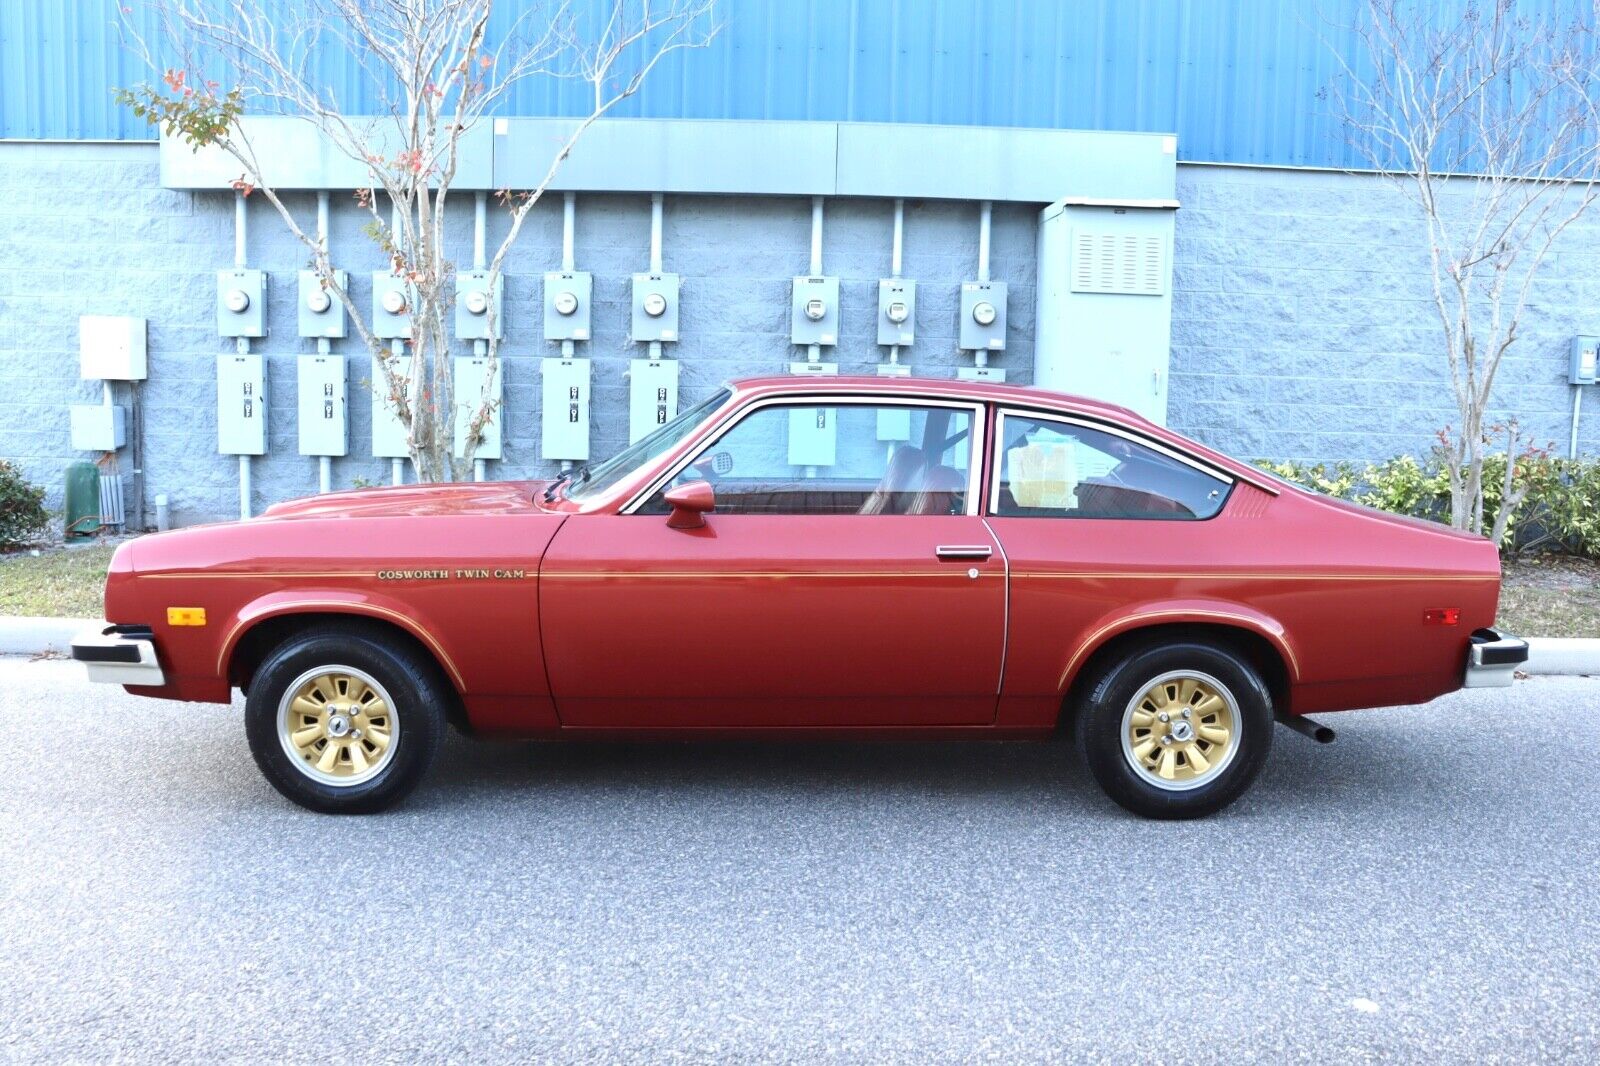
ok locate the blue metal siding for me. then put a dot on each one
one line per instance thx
(1237, 80)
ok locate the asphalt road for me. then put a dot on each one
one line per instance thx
(1427, 887)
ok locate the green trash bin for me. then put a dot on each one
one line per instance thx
(83, 500)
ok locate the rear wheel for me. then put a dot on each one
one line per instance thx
(1177, 730)
(345, 720)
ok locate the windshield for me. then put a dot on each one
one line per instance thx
(598, 479)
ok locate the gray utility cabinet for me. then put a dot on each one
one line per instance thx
(1105, 302)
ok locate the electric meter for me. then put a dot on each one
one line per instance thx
(477, 302)
(318, 301)
(983, 314)
(394, 302)
(655, 305)
(898, 312)
(237, 301)
(816, 310)
(566, 303)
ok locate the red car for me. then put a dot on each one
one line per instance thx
(883, 557)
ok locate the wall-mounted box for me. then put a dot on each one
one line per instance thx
(1583, 370)
(112, 348)
(389, 437)
(1104, 303)
(99, 427)
(814, 311)
(321, 312)
(475, 386)
(655, 308)
(897, 311)
(392, 302)
(242, 303)
(652, 395)
(241, 405)
(564, 433)
(322, 405)
(983, 316)
(813, 436)
(567, 295)
(478, 306)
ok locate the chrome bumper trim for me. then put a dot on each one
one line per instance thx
(1493, 659)
(119, 655)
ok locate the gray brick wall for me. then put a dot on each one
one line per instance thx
(1303, 325)
(1300, 327)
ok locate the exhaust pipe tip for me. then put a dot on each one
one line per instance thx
(1307, 728)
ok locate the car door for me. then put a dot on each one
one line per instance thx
(844, 579)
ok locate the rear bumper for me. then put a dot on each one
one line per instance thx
(119, 655)
(1493, 659)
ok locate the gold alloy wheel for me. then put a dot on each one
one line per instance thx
(1182, 730)
(337, 725)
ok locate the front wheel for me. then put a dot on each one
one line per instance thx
(345, 720)
(1177, 730)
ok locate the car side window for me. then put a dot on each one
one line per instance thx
(1054, 469)
(855, 459)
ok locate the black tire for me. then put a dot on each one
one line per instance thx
(1107, 714)
(411, 681)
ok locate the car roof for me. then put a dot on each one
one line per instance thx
(980, 391)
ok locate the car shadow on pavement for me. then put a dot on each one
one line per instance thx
(1300, 776)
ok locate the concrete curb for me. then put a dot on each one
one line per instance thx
(1563, 655)
(39, 636)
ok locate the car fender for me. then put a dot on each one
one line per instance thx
(1129, 617)
(333, 601)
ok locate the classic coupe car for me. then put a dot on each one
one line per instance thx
(887, 557)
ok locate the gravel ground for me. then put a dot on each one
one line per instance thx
(1426, 888)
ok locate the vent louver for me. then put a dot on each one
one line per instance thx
(1118, 263)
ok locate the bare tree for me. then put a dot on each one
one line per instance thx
(1486, 120)
(436, 68)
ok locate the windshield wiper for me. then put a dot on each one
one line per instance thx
(550, 489)
(581, 475)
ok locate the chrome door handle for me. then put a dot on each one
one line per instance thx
(963, 551)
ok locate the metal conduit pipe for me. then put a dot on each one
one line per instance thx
(324, 346)
(985, 216)
(241, 241)
(814, 351)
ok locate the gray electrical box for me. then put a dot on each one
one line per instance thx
(242, 303)
(567, 295)
(324, 429)
(655, 308)
(897, 311)
(983, 315)
(476, 305)
(321, 312)
(392, 300)
(564, 432)
(652, 395)
(241, 405)
(814, 318)
(1584, 371)
(473, 382)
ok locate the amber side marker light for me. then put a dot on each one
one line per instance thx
(1441, 616)
(186, 616)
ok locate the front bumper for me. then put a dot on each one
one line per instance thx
(1493, 659)
(119, 655)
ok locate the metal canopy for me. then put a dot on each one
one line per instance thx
(758, 157)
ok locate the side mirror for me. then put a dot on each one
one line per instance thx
(690, 503)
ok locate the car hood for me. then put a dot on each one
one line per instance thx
(490, 497)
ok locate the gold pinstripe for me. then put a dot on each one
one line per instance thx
(405, 622)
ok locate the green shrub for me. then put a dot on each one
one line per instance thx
(1560, 511)
(22, 514)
